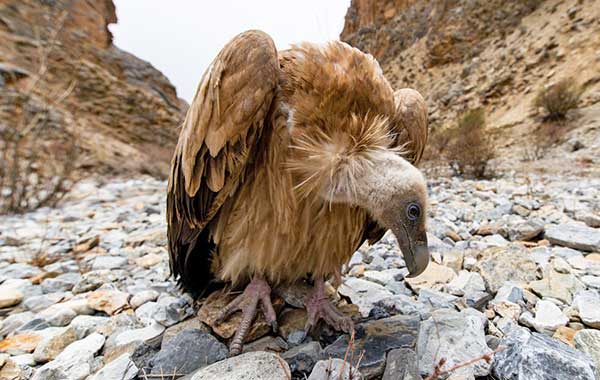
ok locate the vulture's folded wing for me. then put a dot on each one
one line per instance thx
(411, 128)
(220, 136)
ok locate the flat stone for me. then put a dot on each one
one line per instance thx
(526, 230)
(148, 260)
(539, 357)
(142, 297)
(453, 260)
(61, 283)
(507, 309)
(401, 364)
(128, 340)
(92, 280)
(436, 300)
(21, 343)
(249, 366)
(192, 323)
(565, 335)
(58, 315)
(375, 338)
(303, 358)
(458, 337)
(18, 271)
(467, 282)
(548, 317)
(39, 303)
(109, 262)
(384, 277)
(588, 341)
(188, 351)
(108, 301)
(562, 286)
(510, 292)
(334, 369)
(591, 281)
(266, 343)
(15, 321)
(167, 310)
(405, 305)
(10, 297)
(587, 303)
(121, 368)
(84, 325)
(365, 294)
(503, 264)
(435, 274)
(294, 294)
(75, 362)
(575, 235)
(53, 344)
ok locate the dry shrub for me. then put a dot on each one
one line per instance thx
(37, 152)
(558, 99)
(470, 149)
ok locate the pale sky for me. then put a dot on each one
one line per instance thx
(181, 37)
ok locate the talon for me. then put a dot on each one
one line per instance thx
(256, 292)
(319, 307)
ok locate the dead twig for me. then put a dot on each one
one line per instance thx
(437, 370)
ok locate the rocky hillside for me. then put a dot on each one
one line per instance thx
(57, 60)
(465, 54)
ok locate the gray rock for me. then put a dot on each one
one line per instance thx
(401, 364)
(467, 282)
(575, 235)
(562, 286)
(39, 303)
(588, 341)
(436, 300)
(539, 357)
(61, 283)
(92, 280)
(142, 297)
(458, 337)
(18, 270)
(385, 277)
(250, 366)
(526, 230)
(122, 368)
(167, 310)
(548, 317)
(128, 340)
(303, 358)
(405, 305)
(375, 338)
(188, 351)
(365, 294)
(75, 362)
(503, 264)
(58, 315)
(591, 281)
(84, 325)
(587, 303)
(509, 292)
(14, 322)
(108, 262)
(334, 369)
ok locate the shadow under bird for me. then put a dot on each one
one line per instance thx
(286, 163)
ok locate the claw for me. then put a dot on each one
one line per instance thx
(319, 307)
(257, 292)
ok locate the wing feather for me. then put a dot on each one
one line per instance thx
(221, 132)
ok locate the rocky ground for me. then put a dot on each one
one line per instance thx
(85, 293)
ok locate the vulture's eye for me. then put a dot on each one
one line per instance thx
(413, 211)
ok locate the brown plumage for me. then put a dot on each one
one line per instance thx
(287, 162)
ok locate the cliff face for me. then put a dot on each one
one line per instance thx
(496, 54)
(57, 58)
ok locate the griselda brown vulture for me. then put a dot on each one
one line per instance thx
(286, 163)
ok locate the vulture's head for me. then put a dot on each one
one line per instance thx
(366, 161)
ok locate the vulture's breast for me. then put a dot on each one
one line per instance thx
(265, 229)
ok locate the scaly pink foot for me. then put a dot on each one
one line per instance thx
(319, 307)
(257, 291)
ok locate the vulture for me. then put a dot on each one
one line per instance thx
(288, 161)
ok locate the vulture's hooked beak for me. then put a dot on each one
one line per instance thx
(414, 250)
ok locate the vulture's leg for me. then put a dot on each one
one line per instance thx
(319, 307)
(256, 292)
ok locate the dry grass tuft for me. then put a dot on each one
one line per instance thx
(558, 99)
